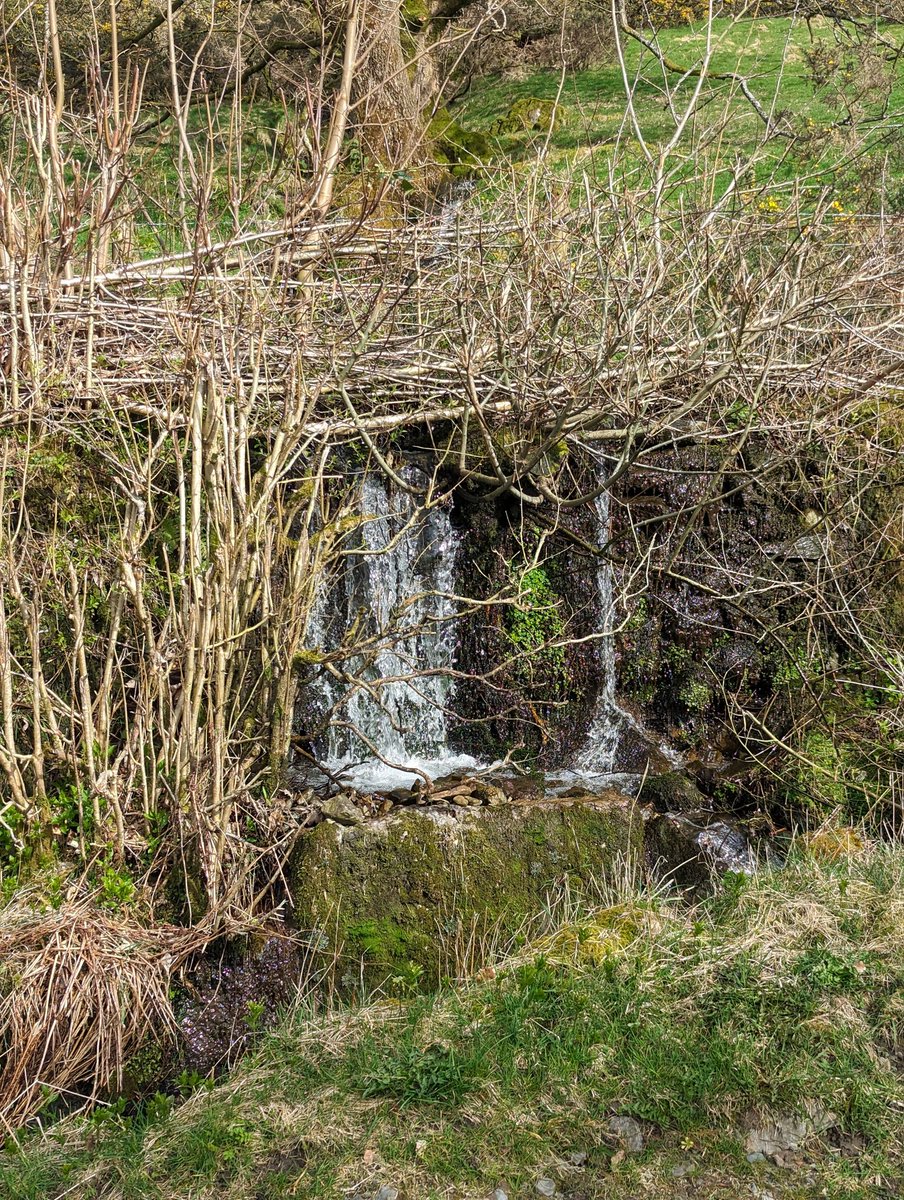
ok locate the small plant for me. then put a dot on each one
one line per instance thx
(831, 974)
(534, 626)
(117, 889)
(255, 1011)
(695, 695)
(408, 980)
(157, 1108)
(433, 1074)
(71, 812)
(189, 1082)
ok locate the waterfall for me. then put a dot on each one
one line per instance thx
(598, 755)
(392, 600)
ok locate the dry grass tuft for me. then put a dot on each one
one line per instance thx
(83, 990)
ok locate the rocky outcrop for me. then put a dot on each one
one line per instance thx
(397, 899)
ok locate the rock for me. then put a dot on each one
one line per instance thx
(638, 753)
(672, 792)
(545, 1187)
(629, 1132)
(578, 1158)
(783, 1135)
(387, 1192)
(499, 1194)
(756, 1156)
(342, 809)
(694, 849)
(403, 795)
(488, 793)
(375, 892)
(682, 1170)
(529, 112)
(788, 1160)
(808, 548)
(727, 847)
(464, 788)
(522, 789)
(447, 783)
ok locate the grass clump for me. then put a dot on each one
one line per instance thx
(781, 996)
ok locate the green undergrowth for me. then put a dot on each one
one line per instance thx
(780, 996)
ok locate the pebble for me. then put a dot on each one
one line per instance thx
(756, 1156)
(499, 1194)
(578, 1158)
(387, 1192)
(546, 1187)
(629, 1131)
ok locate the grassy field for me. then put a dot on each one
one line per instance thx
(781, 998)
(590, 127)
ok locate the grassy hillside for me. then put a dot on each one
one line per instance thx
(771, 1012)
(590, 126)
(582, 124)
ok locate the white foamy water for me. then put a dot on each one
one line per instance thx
(396, 593)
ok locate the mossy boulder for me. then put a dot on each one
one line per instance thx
(672, 791)
(392, 899)
(461, 150)
(529, 113)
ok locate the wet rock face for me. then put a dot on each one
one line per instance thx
(672, 791)
(399, 898)
(705, 531)
(694, 849)
(517, 695)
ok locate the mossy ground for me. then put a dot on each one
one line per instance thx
(783, 991)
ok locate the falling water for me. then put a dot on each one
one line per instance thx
(395, 593)
(598, 755)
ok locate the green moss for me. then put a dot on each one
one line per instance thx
(415, 13)
(393, 897)
(528, 113)
(820, 772)
(695, 695)
(462, 150)
(534, 626)
(383, 941)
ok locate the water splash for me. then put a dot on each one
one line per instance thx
(394, 600)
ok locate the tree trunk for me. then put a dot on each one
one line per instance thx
(388, 114)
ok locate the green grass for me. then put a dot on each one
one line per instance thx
(781, 992)
(591, 128)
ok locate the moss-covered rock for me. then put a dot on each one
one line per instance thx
(672, 791)
(529, 113)
(461, 150)
(393, 897)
